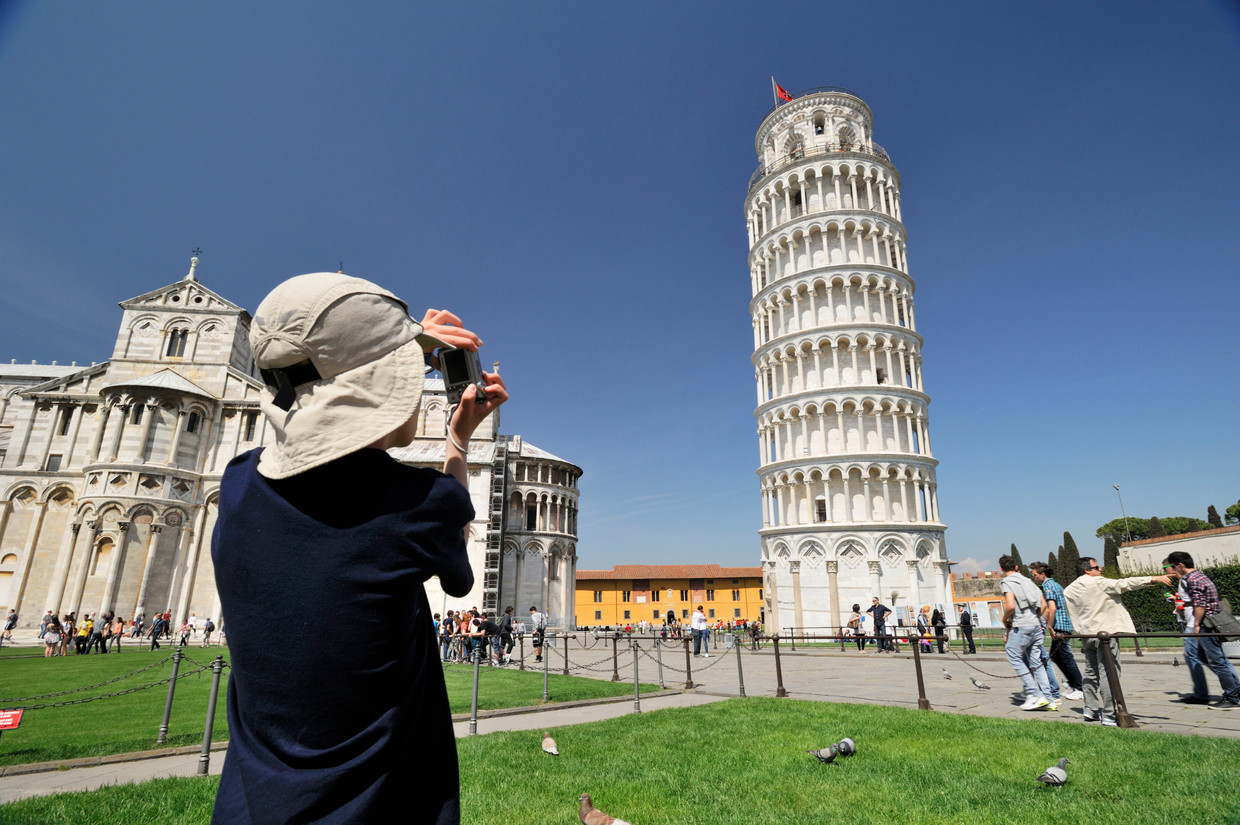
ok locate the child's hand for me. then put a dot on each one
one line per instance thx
(469, 413)
(447, 328)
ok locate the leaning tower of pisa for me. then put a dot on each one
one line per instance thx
(849, 499)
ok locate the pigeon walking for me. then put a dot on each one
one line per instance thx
(947, 675)
(1175, 662)
(826, 755)
(548, 745)
(1055, 775)
(591, 815)
(979, 685)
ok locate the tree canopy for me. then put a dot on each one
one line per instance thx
(1233, 513)
(1213, 517)
(1139, 528)
(1069, 556)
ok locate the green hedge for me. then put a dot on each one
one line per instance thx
(1150, 609)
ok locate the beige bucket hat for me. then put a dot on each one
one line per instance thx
(343, 364)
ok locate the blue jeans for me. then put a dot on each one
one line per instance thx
(1061, 654)
(1024, 653)
(1197, 673)
(1050, 673)
(697, 641)
(1211, 649)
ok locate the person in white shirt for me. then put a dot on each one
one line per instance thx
(1094, 605)
(701, 637)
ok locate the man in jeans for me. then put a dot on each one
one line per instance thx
(1203, 596)
(1023, 605)
(698, 625)
(879, 612)
(1061, 627)
(1093, 602)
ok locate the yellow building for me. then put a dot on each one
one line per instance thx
(630, 593)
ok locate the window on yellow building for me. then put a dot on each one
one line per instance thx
(656, 614)
(628, 614)
(626, 595)
(684, 595)
(710, 613)
(684, 614)
(598, 615)
(759, 595)
(736, 595)
(598, 596)
(736, 613)
(710, 595)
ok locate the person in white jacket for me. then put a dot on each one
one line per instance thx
(701, 636)
(1094, 605)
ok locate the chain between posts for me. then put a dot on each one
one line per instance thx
(160, 663)
(117, 693)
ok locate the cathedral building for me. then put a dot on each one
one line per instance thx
(849, 497)
(109, 474)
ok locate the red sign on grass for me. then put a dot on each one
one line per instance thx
(10, 719)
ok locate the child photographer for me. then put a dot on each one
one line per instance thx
(354, 727)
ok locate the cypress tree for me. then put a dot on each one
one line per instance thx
(1020, 565)
(1157, 530)
(1069, 556)
(1051, 563)
(1213, 517)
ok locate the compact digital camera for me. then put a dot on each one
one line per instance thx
(460, 368)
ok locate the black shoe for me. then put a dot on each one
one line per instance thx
(1225, 704)
(1190, 699)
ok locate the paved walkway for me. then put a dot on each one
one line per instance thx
(813, 674)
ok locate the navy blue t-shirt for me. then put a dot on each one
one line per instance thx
(337, 709)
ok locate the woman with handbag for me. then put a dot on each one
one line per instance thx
(854, 624)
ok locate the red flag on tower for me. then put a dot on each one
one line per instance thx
(780, 92)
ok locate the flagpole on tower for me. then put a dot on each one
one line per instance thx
(774, 94)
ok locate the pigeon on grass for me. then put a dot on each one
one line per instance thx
(979, 685)
(826, 755)
(591, 815)
(947, 675)
(847, 747)
(1055, 775)
(548, 745)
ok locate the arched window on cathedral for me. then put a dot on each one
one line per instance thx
(176, 343)
(191, 423)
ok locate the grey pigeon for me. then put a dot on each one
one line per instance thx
(591, 815)
(847, 747)
(1055, 775)
(548, 745)
(979, 685)
(826, 755)
(1175, 662)
(947, 675)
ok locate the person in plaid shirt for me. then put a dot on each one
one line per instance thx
(1061, 625)
(1203, 596)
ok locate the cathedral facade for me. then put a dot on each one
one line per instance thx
(109, 474)
(849, 496)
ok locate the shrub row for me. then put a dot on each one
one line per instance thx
(1150, 609)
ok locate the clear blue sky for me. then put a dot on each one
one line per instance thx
(570, 178)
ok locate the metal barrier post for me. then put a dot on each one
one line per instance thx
(615, 660)
(1137, 644)
(637, 696)
(688, 667)
(658, 649)
(566, 638)
(779, 671)
(172, 686)
(740, 673)
(473, 703)
(204, 759)
(1122, 717)
(545, 658)
(792, 634)
(922, 702)
(521, 642)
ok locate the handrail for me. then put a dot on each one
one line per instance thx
(797, 156)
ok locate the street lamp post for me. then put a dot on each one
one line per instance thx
(1127, 532)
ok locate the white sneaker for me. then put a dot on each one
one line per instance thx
(1074, 694)
(1053, 705)
(1109, 722)
(1034, 704)
(705, 655)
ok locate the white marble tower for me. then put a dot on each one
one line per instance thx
(849, 499)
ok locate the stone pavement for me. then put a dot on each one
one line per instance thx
(816, 674)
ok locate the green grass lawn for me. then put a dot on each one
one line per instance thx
(743, 762)
(131, 722)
